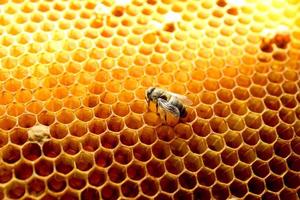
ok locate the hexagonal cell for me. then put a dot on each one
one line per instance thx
(78, 128)
(242, 171)
(142, 152)
(36, 187)
(90, 143)
(293, 162)
(264, 151)
(149, 186)
(187, 180)
(134, 121)
(256, 185)
(260, 168)
(123, 155)
(220, 191)
(277, 165)
(246, 154)
(97, 177)
(233, 139)
(89, 193)
(6, 173)
(274, 183)
(110, 191)
(51, 149)
(84, 161)
(15, 190)
(11, 154)
(97, 126)
(238, 188)
(155, 168)
(109, 140)
(77, 180)
(23, 170)
(285, 131)
(58, 130)
(43, 167)
(56, 183)
(69, 195)
(197, 145)
(71, 145)
(64, 164)
(18, 136)
(103, 158)
(215, 142)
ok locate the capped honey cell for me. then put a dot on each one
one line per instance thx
(75, 123)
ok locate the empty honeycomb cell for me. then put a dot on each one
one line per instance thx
(51, 149)
(147, 135)
(63, 164)
(43, 167)
(65, 116)
(260, 168)
(149, 186)
(215, 142)
(6, 173)
(218, 125)
(84, 161)
(165, 133)
(7, 123)
(264, 151)
(224, 174)
(18, 136)
(15, 190)
(161, 150)
(71, 145)
(251, 137)
(102, 111)
(84, 114)
(286, 115)
(56, 183)
(274, 89)
(233, 139)
(58, 130)
(109, 140)
(288, 193)
(197, 145)
(242, 171)
(123, 155)
(115, 123)
(31, 151)
(46, 118)
(238, 188)
(23, 170)
(90, 143)
(78, 128)
(289, 87)
(256, 185)
(76, 181)
(284, 131)
(155, 168)
(192, 162)
(128, 137)
(253, 120)
(96, 177)
(267, 134)
(291, 180)
(134, 121)
(246, 154)
(110, 191)
(11, 154)
(241, 93)
(178, 147)
(274, 183)
(288, 101)
(36, 187)
(103, 158)
(272, 103)
(187, 180)
(277, 165)
(129, 189)
(229, 157)
(282, 148)
(270, 118)
(3, 139)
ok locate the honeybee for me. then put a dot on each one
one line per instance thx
(168, 102)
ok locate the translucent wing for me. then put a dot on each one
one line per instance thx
(182, 98)
(165, 105)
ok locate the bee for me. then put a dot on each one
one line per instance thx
(169, 102)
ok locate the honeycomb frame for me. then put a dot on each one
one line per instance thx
(74, 123)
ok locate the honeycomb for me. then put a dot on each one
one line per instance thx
(74, 123)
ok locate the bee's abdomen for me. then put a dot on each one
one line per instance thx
(182, 110)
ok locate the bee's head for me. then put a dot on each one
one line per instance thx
(149, 92)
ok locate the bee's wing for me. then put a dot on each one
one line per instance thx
(182, 98)
(165, 105)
